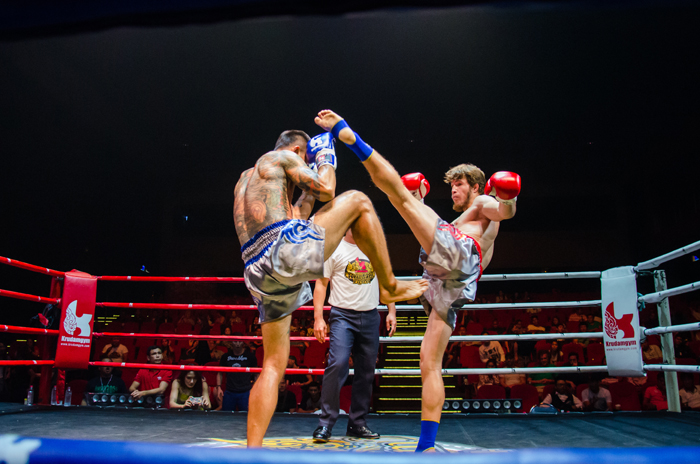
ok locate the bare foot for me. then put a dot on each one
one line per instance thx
(326, 119)
(405, 290)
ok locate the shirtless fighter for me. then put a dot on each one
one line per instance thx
(458, 252)
(282, 250)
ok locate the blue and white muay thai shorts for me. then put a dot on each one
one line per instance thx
(452, 270)
(279, 262)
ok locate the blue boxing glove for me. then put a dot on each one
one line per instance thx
(320, 151)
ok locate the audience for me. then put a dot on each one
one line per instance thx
(106, 381)
(510, 380)
(655, 396)
(286, 400)
(312, 399)
(116, 351)
(595, 397)
(562, 398)
(651, 352)
(488, 379)
(689, 393)
(238, 384)
(491, 350)
(540, 380)
(190, 390)
(151, 381)
(555, 353)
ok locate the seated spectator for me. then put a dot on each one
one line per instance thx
(312, 399)
(187, 355)
(546, 378)
(555, 354)
(651, 352)
(680, 347)
(489, 379)
(583, 327)
(238, 384)
(286, 400)
(689, 392)
(186, 318)
(575, 315)
(595, 397)
(655, 397)
(116, 351)
(535, 326)
(491, 350)
(554, 323)
(190, 390)
(593, 325)
(106, 381)
(151, 381)
(573, 379)
(562, 398)
(255, 344)
(298, 379)
(509, 380)
(215, 351)
(496, 328)
(169, 355)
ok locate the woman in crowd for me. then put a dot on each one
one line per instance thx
(190, 390)
(489, 379)
(555, 353)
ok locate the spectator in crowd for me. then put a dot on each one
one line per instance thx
(535, 326)
(106, 381)
(255, 344)
(575, 315)
(555, 353)
(312, 399)
(545, 378)
(655, 396)
(116, 351)
(583, 328)
(651, 352)
(187, 355)
(595, 397)
(554, 324)
(491, 350)
(689, 392)
(680, 347)
(495, 328)
(573, 379)
(238, 384)
(562, 398)
(169, 355)
(488, 379)
(593, 325)
(509, 380)
(186, 318)
(297, 379)
(235, 318)
(215, 350)
(150, 382)
(190, 390)
(286, 400)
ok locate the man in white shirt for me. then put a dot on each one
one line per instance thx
(354, 329)
(491, 350)
(595, 397)
(116, 351)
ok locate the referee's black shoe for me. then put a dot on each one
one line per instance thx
(322, 434)
(361, 432)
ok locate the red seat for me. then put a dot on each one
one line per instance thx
(491, 392)
(77, 389)
(296, 389)
(686, 361)
(695, 347)
(547, 390)
(469, 356)
(166, 328)
(573, 347)
(260, 355)
(183, 328)
(128, 376)
(572, 326)
(240, 327)
(625, 395)
(148, 327)
(296, 352)
(210, 376)
(131, 327)
(595, 352)
(474, 328)
(542, 345)
(527, 394)
(315, 354)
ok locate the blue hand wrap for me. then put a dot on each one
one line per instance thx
(360, 148)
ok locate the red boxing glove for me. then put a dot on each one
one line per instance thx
(505, 186)
(416, 184)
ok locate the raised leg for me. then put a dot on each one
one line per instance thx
(263, 395)
(354, 210)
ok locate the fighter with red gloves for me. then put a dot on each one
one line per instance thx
(453, 255)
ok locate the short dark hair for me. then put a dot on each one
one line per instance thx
(293, 357)
(290, 137)
(314, 384)
(151, 348)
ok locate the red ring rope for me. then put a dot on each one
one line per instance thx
(185, 306)
(189, 336)
(26, 330)
(168, 279)
(31, 267)
(27, 296)
(194, 367)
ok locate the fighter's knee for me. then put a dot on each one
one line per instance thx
(359, 199)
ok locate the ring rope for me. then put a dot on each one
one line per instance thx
(528, 276)
(28, 297)
(27, 330)
(673, 328)
(31, 267)
(671, 368)
(653, 263)
(658, 296)
(169, 279)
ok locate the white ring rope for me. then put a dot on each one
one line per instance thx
(671, 368)
(494, 338)
(653, 263)
(530, 276)
(499, 370)
(658, 296)
(541, 304)
(673, 328)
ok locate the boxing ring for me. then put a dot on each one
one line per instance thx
(45, 433)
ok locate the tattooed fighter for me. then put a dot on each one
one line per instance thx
(453, 255)
(282, 250)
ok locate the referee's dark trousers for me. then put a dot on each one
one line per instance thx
(356, 333)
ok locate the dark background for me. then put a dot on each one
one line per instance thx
(110, 137)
